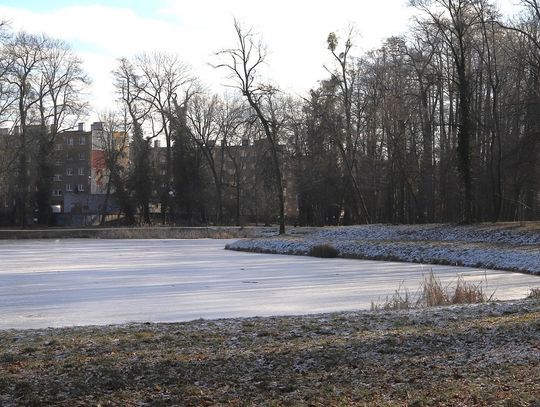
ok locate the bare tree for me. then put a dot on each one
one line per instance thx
(243, 63)
(236, 132)
(26, 53)
(61, 84)
(112, 144)
(202, 116)
(163, 80)
(347, 148)
(455, 20)
(129, 88)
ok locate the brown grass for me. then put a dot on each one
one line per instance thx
(534, 294)
(468, 293)
(401, 299)
(429, 358)
(433, 293)
(145, 232)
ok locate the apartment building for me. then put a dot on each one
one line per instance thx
(72, 169)
(80, 169)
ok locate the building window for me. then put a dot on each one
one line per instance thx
(57, 177)
(57, 192)
(80, 188)
(81, 171)
(58, 147)
(82, 155)
(58, 163)
(69, 171)
(69, 188)
(70, 141)
(82, 140)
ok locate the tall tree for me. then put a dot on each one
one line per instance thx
(112, 144)
(243, 63)
(347, 148)
(163, 80)
(204, 128)
(61, 84)
(129, 88)
(26, 53)
(455, 20)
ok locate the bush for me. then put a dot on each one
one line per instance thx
(435, 294)
(432, 293)
(401, 299)
(467, 293)
(323, 250)
(534, 294)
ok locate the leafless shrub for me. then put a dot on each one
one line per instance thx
(534, 293)
(468, 293)
(433, 293)
(323, 250)
(401, 299)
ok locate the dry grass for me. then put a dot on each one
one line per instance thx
(433, 293)
(400, 300)
(468, 293)
(480, 356)
(145, 232)
(534, 294)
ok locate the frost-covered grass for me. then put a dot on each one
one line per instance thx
(506, 246)
(483, 355)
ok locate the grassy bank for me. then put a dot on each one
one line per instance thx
(163, 232)
(482, 355)
(504, 246)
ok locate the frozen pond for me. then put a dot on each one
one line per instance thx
(84, 282)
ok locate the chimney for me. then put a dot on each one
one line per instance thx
(97, 126)
(81, 126)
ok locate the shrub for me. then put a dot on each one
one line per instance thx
(323, 250)
(432, 293)
(467, 293)
(535, 293)
(401, 299)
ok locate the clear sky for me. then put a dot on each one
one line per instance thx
(295, 32)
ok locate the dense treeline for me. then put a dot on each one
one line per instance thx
(441, 124)
(438, 125)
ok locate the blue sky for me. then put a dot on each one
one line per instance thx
(140, 7)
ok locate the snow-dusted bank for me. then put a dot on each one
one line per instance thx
(493, 246)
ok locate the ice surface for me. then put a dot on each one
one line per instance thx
(84, 282)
